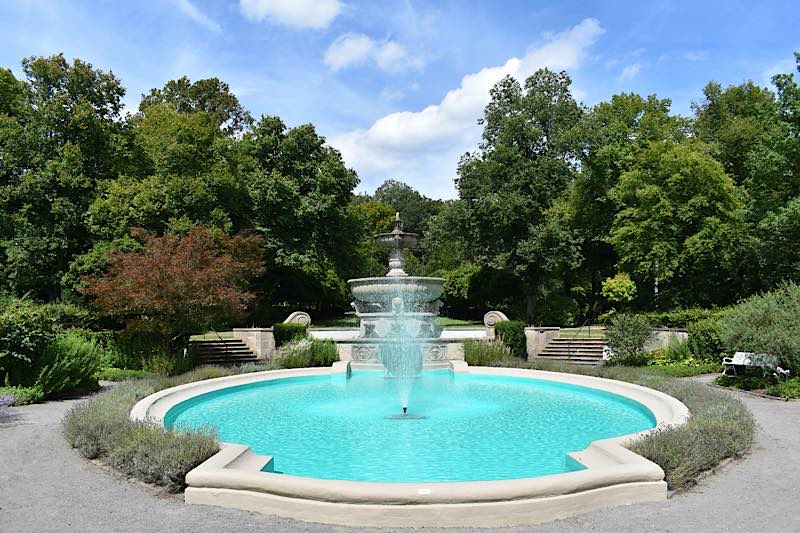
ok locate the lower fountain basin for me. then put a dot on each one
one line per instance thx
(470, 427)
(236, 477)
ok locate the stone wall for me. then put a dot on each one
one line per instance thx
(662, 337)
(261, 341)
(537, 338)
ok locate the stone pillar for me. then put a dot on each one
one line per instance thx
(261, 341)
(537, 338)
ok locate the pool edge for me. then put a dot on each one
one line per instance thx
(613, 476)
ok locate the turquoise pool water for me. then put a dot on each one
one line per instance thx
(470, 427)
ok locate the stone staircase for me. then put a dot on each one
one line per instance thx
(223, 352)
(574, 351)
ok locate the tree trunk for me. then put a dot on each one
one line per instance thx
(530, 306)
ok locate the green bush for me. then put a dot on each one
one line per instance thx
(71, 362)
(303, 353)
(512, 334)
(169, 364)
(285, 332)
(23, 395)
(744, 382)
(788, 388)
(26, 329)
(687, 368)
(486, 353)
(121, 374)
(676, 350)
(100, 427)
(161, 456)
(766, 323)
(704, 339)
(619, 289)
(679, 318)
(627, 337)
(721, 427)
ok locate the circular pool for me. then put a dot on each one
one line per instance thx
(461, 427)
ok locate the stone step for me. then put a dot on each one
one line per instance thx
(223, 351)
(585, 362)
(578, 341)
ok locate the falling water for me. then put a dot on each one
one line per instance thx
(397, 314)
(401, 351)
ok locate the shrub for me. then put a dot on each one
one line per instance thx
(285, 332)
(169, 364)
(121, 374)
(744, 382)
(677, 350)
(619, 289)
(687, 368)
(627, 337)
(721, 427)
(512, 334)
(175, 286)
(766, 323)
(26, 329)
(161, 456)
(486, 353)
(302, 353)
(71, 363)
(23, 395)
(127, 349)
(789, 388)
(704, 339)
(679, 318)
(100, 427)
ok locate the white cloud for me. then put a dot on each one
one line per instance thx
(315, 14)
(349, 49)
(390, 94)
(784, 66)
(630, 72)
(696, 55)
(191, 11)
(353, 49)
(422, 147)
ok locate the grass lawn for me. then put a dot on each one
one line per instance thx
(212, 336)
(596, 332)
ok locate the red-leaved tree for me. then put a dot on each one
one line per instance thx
(178, 286)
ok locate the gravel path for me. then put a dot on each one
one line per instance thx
(46, 486)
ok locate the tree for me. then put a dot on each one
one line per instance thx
(210, 96)
(178, 286)
(612, 134)
(299, 190)
(60, 137)
(415, 209)
(751, 140)
(190, 178)
(369, 218)
(678, 211)
(524, 163)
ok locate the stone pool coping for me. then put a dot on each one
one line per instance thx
(613, 476)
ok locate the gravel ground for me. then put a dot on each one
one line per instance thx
(46, 486)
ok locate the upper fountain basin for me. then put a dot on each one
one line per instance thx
(397, 240)
(409, 288)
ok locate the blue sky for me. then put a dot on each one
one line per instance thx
(398, 86)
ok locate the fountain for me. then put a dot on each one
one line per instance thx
(398, 317)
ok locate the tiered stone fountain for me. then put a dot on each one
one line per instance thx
(398, 327)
